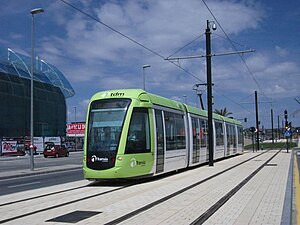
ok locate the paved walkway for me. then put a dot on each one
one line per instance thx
(268, 196)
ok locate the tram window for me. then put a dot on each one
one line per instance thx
(105, 124)
(196, 139)
(138, 140)
(159, 131)
(180, 131)
(219, 133)
(240, 136)
(234, 136)
(203, 133)
(170, 130)
(196, 134)
(230, 135)
(175, 131)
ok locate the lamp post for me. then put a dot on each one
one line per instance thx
(144, 67)
(184, 96)
(33, 12)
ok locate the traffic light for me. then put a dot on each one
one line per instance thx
(252, 129)
(286, 125)
(285, 114)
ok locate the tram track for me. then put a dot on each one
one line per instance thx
(124, 217)
(203, 217)
(55, 193)
(62, 204)
(41, 196)
(181, 191)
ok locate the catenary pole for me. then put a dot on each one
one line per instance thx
(257, 122)
(209, 95)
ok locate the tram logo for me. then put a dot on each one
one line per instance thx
(94, 158)
(115, 94)
(134, 162)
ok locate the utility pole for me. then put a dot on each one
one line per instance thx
(278, 119)
(272, 123)
(208, 56)
(257, 122)
(287, 130)
(209, 93)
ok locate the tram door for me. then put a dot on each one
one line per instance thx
(160, 154)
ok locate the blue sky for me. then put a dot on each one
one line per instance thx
(94, 58)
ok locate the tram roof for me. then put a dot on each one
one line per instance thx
(159, 100)
(200, 112)
(142, 96)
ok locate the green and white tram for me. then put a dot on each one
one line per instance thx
(132, 133)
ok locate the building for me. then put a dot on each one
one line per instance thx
(51, 89)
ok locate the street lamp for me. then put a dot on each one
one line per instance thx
(33, 12)
(144, 67)
(184, 96)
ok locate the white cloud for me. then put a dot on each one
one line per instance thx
(95, 58)
(281, 51)
(163, 26)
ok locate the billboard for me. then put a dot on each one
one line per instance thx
(55, 140)
(13, 146)
(75, 129)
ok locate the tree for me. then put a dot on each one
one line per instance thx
(223, 112)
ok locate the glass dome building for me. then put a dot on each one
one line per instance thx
(50, 91)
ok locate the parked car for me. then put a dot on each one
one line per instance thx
(55, 150)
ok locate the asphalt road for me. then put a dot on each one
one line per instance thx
(14, 185)
(10, 163)
(18, 184)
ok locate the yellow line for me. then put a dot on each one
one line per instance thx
(297, 187)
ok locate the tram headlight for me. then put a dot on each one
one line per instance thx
(119, 158)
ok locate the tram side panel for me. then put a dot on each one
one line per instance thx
(219, 139)
(226, 139)
(230, 139)
(176, 141)
(240, 139)
(160, 143)
(198, 144)
(171, 148)
(138, 157)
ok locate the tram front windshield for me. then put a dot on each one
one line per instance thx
(105, 124)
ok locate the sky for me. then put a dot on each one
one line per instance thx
(103, 45)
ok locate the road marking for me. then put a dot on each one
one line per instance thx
(20, 185)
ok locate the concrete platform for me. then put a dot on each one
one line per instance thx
(253, 188)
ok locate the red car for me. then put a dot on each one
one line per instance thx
(55, 150)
